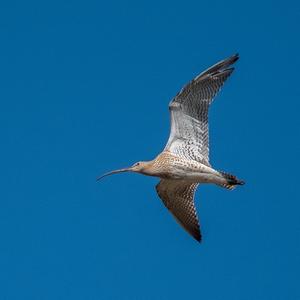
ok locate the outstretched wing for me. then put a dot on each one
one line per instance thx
(189, 112)
(178, 197)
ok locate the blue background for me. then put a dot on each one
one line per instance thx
(84, 89)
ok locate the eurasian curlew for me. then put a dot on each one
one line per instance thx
(184, 163)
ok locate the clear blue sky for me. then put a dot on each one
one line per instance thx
(84, 89)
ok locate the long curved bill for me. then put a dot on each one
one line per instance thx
(114, 172)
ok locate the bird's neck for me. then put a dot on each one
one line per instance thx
(149, 168)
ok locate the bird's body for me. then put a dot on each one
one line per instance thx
(170, 166)
(184, 163)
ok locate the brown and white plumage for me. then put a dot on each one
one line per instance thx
(184, 163)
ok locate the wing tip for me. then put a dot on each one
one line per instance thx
(228, 62)
(234, 57)
(223, 65)
(198, 238)
(196, 233)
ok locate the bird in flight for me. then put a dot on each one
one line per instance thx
(184, 162)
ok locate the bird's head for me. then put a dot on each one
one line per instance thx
(138, 167)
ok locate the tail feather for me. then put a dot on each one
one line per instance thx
(232, 181)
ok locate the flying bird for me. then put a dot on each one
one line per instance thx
(184, 162)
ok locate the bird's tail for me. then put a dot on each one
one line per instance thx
(232, 181)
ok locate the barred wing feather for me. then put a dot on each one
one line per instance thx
(189, 137)
(178, 197)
